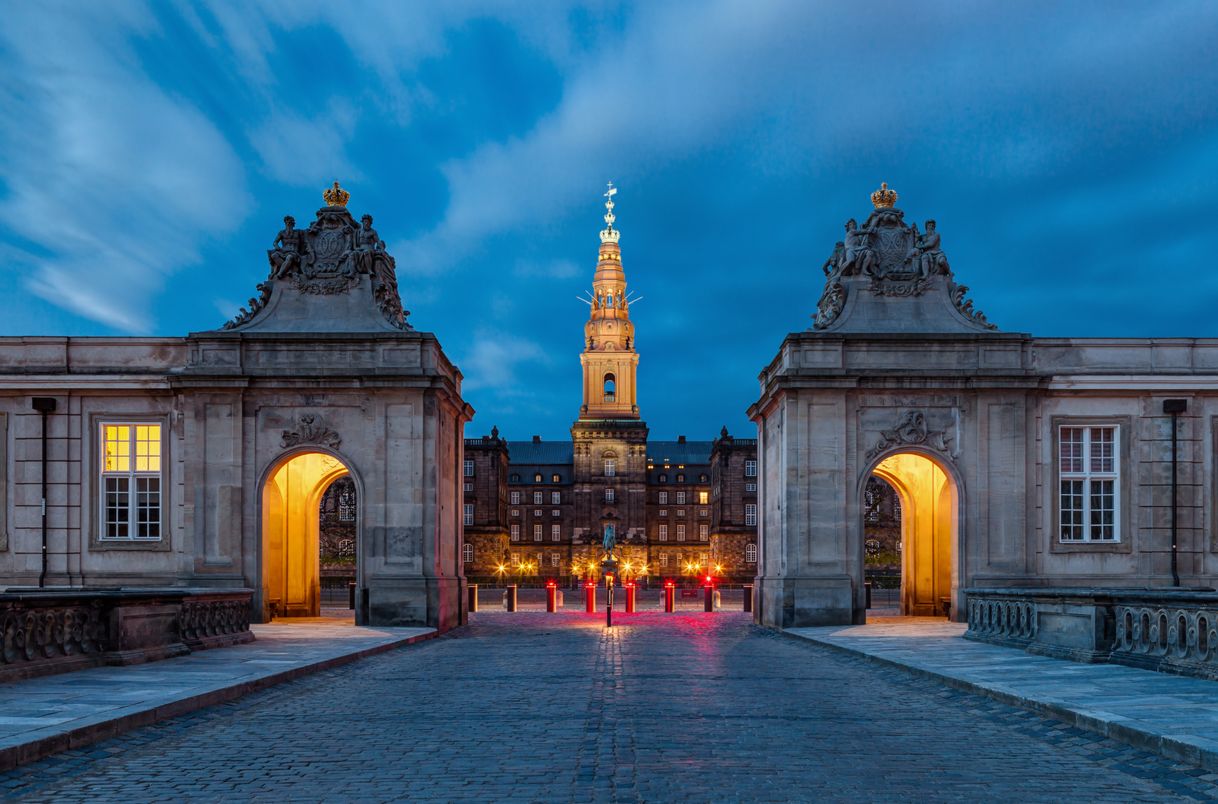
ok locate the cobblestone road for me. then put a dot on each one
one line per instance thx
(531, 707)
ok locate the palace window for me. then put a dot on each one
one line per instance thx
(467, 553)
(346, 504)
(750, 554)
(131, 481)
(663, 533)
(537, 533)
(537, 478)
(554, 559)
(703, 512)
(663, 478)
(610, 467)
(1089, 477)
(469, 487)
(703, 479)
(515, 532)
(556, 532)
(515, 478)
(750, 514)
(681, 512)
(609, 495)
(469, 514)
(680, 478)
(555, 512)
(750, 468)
(469, 468)
(703, 532)
(663, 559)
(555, 478)
(537, 498)
(610, 388)
(515, 512)
(536, 512)
(515, 498)
(680, 533)
(703, 497)
(663, 498)
(750, 487)
(555, 498)
(663, 512)
(680, 498)
(515, 559)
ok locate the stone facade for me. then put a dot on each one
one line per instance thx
(1057, 452)
(167, 458)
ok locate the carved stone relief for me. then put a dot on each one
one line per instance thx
(310, 429)
(911, 430)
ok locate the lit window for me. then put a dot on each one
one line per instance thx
(663, 559)
(516, 559)
(703, 533)
(663, 498)
(537, 497)
(610, 467)
(663, 533)
(750, 513)
(555, 478)
(609, 495)
(469, 514)
(750, 468)
(515, 498)
(515, 533)
(556, 532)
(1089, 475)
(680, 533)
(537, 533)
(467, 553)
(703, 497)
(750, 553)
(131, 481)
(680, 498)
(537, 477)
(469, 468)
(555, 498)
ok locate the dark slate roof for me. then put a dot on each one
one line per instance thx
(547, 453)
(691, 452)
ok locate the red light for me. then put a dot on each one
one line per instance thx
(708, 580)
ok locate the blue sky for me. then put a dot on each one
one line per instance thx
(1067, 151)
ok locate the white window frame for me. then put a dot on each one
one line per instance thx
(750, 468)
(680, 498)
(609, 496)
(610, 467)
(555, 498)
(662, 534)
(663, 498)
(750, 514)
(1086, 476)
(750, 554)
(515, 531)
(750, 487)
(468, 514)
(664, 560)
(556, 533)
(515, 498)
(703, 533)
(680, 533)
(537, 534)
(664, 512)
(538, 497)
(469, 468)
(467, 553)
(132, 475)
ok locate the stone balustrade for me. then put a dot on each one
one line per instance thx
(54, 631)
(1171, 630)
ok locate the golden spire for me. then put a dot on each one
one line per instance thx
(336, 196)
(609, 234)
(884, 198)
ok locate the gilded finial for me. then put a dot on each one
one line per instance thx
(336, 196)
(884, 198)
(609, 234)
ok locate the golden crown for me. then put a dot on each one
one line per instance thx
(882, 198)
(336, 196)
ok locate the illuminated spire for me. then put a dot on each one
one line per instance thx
(609, 234)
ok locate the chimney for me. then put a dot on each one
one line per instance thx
(680, 439)
(536, 439)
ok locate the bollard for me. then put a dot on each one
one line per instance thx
(351, 595)
(867, 590)
(670, 594)
(590, 598)
(552, 594)
(473, 597)
(748, 597)
(709, 601)
(509, 597)
(630, 590)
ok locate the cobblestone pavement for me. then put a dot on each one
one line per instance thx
(536, 707)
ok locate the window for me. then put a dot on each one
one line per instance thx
(555, 498)
(610, 467)
(663, 478)
(680, 478)
(750, 554)
(516, 559)
(515, 478)
(702, 478)
(610, 388)
(515, 498)
(681, 512)
(663, 559)
(467, 553)
(1089, 471)
(515, 512)
(703, 512)
(703, 497)
(469, 468)
(555, 512)
(537, 477)
(680, 498)
(469, 487)
(346, 504)
(750, 468)
(469, 514)
(515, 532)
(609, 495)
(663, 533)
(555, 478)
(536, 512)
(537, 498)
(703, 533)
(750, 513)
(131, 481)
(556, 532)
(750, 487)
(663, 498)
(663, 512)
(537, 533)
(680, 533)
(554, 557)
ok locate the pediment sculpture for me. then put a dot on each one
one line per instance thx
(310, 429)
(912, 430)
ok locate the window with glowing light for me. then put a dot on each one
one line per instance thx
(537, 477)
(555, 478)
(703, 497)
(663, 559)
(1089, 483)
(750, 513)
(554, 559)
(131, 481)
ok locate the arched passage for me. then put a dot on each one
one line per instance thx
(928, 512)
(291, 502)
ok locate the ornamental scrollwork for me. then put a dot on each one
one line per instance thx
(830, 306)
(310, 429)
(911, 430)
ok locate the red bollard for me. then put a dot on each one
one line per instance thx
(710, 598)
(590, 597)
(551, 596)
(630, 589)
(670, 593)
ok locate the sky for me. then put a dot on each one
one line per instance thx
(1069, 153)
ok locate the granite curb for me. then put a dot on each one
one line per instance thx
(1193, 750)
(107, 725)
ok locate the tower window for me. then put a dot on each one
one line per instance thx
(610, 467)
(610, 388)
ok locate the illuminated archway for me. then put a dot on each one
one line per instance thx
(929, 504)
(291, 498)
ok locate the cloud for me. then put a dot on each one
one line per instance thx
(305, 151)
(494, 360)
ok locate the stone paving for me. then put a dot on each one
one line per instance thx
(1172, 715)
(41, 715)
(541, 707)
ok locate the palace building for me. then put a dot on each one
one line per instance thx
(539, 509)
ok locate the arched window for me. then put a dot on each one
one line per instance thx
(515, 478)
(468, 553)
(555, 478)
(537, 477)
(750, 554)
(663, 478)
(610, 388)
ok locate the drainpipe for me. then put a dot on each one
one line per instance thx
(1174, 407)
(44, 405)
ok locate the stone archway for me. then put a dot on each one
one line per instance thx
(291, 497)
(929, 520)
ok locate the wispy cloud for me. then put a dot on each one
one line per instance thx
(494, 359)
